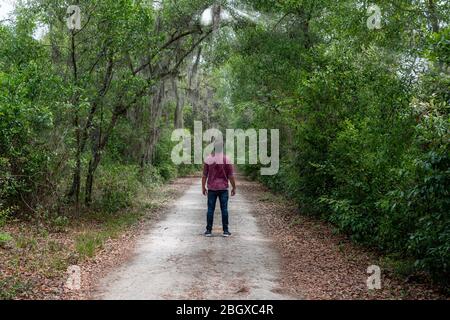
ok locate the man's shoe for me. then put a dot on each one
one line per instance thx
(226, 234)
(208, 233)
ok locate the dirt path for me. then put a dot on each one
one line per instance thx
(173, 260)
(274, 253)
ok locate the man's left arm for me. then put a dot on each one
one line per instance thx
(204, 179)
(233, 185)
(230, 173)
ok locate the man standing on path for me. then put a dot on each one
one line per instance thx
(217, 171)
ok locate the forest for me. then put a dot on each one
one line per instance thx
(358, 89)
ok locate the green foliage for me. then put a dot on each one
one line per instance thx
(60, 223)
(26, 242)
(5, 213)
(117, 185)
(163, 162)
(439, 46)
(5, 238)
(167, 171)
(87, 244)
(11, 287)
(418, 204)
(26, 94)
(364, 138)
(64, 108)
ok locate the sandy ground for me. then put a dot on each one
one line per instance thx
(173, 260)
(274, 253)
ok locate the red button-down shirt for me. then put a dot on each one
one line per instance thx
(218, 169)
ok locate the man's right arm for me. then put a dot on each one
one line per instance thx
(204, 191)
(204, 179)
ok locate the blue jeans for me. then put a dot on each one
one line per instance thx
(223, 200)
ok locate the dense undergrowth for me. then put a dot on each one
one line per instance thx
(364, 121)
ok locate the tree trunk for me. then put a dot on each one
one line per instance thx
(216, 16)
(153, 131)
(97, 149)
(93, 163)
(56, 53)
(74, 193)
(432, 16)
(179, 101)
(194, 84)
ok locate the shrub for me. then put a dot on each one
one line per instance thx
(5, 238)
(87, 244)
(417, 222)
(4, 215)
(167, 171)
(150, 176)
(116, 186)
